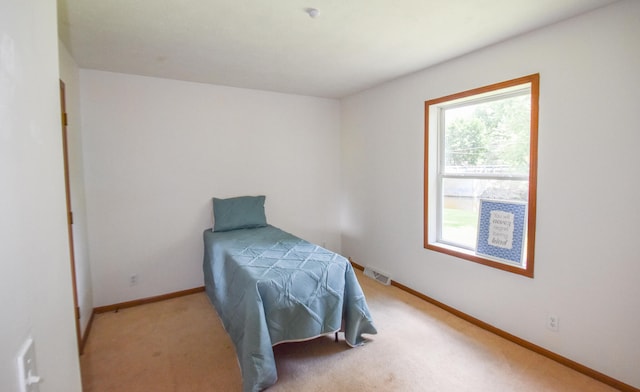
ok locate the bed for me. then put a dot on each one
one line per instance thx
(270, 287)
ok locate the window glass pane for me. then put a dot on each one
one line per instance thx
(488, 137)
(460, 222)
(460, 205)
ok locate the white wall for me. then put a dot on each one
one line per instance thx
(586, 268)
(156, 151)
(35, 283)
(70, 75)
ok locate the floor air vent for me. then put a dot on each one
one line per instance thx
(379, 276)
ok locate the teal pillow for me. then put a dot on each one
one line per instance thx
(244, 212)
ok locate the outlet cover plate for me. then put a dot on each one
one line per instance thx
(553, 322)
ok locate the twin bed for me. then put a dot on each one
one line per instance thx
(271, 287)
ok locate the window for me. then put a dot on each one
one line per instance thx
(481, 150)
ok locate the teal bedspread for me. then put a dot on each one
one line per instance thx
(270, 287)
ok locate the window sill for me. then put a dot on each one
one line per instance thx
(469, 255)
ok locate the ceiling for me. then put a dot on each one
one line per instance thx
(275, 45)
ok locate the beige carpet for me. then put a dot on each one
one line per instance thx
(179, 345)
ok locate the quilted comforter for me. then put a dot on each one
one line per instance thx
(270, 287)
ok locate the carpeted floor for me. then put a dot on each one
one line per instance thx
(179, 345)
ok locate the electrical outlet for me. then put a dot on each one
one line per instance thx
(133, 280)
(553, 322)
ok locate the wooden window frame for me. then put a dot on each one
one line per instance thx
(528, 268)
